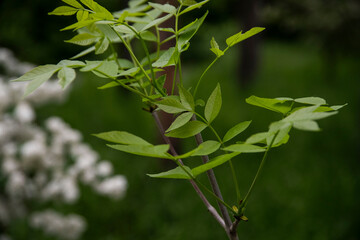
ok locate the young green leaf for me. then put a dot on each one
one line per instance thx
(215, 48)
(102, 46)
(148, 36)
(311, 100)
(213, 104)
(171, 105)
(231, 41)
(83, 39)
(106, 69)
(82, 15)
(166, 8)
(306, 114)
(194, 6)
(64, 11)
(244, 148)
(188, 2)
(258, 138)
(158, 151)
(83, 53)
(99, 10)
(307, 125)
(42, 72)
(237, 129)
(66, 75)
(206, 148)
(168, 58)
(71, 63)
(180, 121)
(186, 98)
(73, 3)
(122, 138)
(187, 34)
(213, 163)
(156, 22)
(176, 173)
(280, 106)
(91, 65)
(188, 130)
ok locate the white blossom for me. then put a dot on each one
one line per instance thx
(113, 187)
(68, 227)
(44, 164)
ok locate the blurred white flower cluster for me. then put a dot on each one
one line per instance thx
(44, 164)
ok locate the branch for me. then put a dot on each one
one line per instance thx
(215, 186)
(209, 207)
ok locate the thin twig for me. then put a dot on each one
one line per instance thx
(209, 207)
(215, 186)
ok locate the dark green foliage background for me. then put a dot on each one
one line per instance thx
(310, 187)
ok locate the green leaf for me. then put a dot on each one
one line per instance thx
(311, 100)
(188, 2)
(79, 25)
(71, 63)
(337, 107)
(64, 11)
(102, 46)
(91, 65)
(109, 85)
(148, 36)
(187, 34)
(307, 113)
(73, 3)
(307, 125)
(97, 8)
(186, 98)
(107, 69)
(213, 104)
(194, 6)
(188, 130)
(280, 106)
(200, 102)
(215, 48)
(82, 15)
(257, 138)
(156, 22)
(158, 151)
(244, 148)
(237, 129)
(125, 63)
(66, 75)
(181, 120)
(206, 148)
(213, 163)
(122, 138)
(217, 52)
(83, 39)
(166, 8)
(135, 3)
(231, 41)
(43, 72)
(168, 58)
(176, 173)
(171, 105)
(281, 128)
(83, 53)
